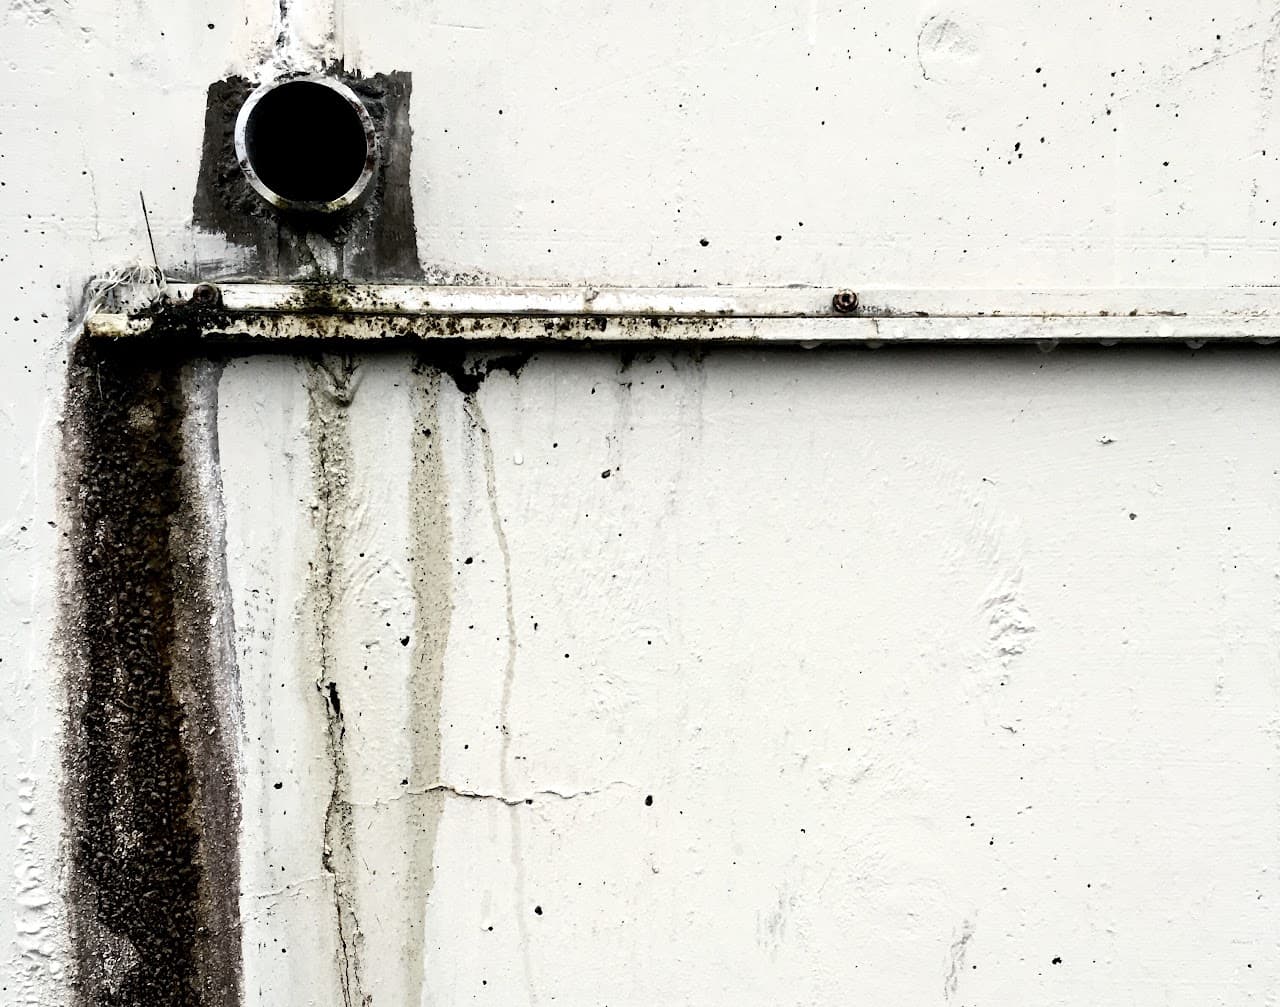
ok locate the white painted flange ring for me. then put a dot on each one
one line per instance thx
(357, 188)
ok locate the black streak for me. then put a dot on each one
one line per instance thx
(468, 367)
(150, 792)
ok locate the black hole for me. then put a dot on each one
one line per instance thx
(305, 142)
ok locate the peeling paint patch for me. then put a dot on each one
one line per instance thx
(36, 919)
(150, 784)
(955, 960)
(946, 50)
(1010, 622)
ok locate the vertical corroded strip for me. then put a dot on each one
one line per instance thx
(147, 810)
(206, 679)
(330, 388)
(430, 562)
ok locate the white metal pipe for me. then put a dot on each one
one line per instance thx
(282, 327)
(763, 302)
(258, 311)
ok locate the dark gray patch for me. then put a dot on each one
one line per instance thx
(150, 789)
(374, 240)
(467, 365)
(387, 246)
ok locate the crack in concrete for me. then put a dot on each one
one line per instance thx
(508, 686)
(291, 888)
(330, 391)
(511, 802)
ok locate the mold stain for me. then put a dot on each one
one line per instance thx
(150, 795)
(36, 921)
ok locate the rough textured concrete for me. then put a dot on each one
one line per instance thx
(718, 677)
(150, 773)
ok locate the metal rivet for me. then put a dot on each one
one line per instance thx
(845, 302)
(206, 295)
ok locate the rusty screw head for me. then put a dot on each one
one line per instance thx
(845, 302)
(206, 295)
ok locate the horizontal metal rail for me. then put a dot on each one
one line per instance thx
(253, 312)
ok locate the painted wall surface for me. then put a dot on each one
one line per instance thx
(710, 676)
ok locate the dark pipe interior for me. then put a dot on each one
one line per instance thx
(305, 142)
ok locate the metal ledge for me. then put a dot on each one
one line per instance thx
(255, 312)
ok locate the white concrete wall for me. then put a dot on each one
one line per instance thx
(952, 676)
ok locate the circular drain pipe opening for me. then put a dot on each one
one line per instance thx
(306, 144)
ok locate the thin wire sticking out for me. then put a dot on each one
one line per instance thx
(146, 218)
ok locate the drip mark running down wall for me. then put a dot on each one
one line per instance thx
(476, 414)
(330, 389)
(431, 540)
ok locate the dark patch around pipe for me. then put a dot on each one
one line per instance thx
(150, 788)
(374, 240)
